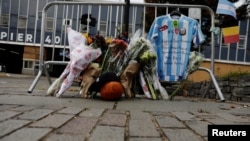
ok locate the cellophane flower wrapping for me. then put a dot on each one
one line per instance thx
(120, 61)
(141, 50)
(114, 63)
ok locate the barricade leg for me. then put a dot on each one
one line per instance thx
(214, 82)
(47, 74)
(33, 85)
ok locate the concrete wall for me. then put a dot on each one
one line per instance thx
(220, 69)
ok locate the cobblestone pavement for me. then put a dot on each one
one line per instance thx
(35, 116)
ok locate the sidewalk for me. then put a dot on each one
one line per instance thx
(35, 116)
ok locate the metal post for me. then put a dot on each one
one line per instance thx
(126, 18)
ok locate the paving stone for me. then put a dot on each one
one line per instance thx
(27, 134)
(160, 113)
(24, 108)
(139, 115)
(36, 114)
(113, 120)
(166, 121)
(64, 137)
(221, 121)
(142, 128)
(108, 133)
(6, 107)
(54, 121)
(215, 119)
(8, 114)
(94, 112)
(184, 115)
(198, 126)
(180, 134)
(11, 125)
(233, 118)
(71, 110)
(78, 125)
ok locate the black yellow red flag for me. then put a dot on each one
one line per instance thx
(230, 31)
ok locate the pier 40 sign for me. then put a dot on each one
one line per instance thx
(29, 38)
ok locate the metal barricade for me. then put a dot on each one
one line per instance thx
(110, 18)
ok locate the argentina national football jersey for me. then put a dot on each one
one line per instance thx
(172, 39)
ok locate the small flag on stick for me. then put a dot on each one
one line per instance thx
(226, 7)
(230, 31)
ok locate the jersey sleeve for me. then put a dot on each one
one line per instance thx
(198, 35)
(153, 32)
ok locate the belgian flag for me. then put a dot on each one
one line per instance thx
(230, 31)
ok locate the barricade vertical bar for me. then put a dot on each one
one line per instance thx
(54, 31)
(99, 18)
(41, 54)
(65, 29)
(106, 30)
(144, 22)
(134, 19)
(212, 39)
(110, 19)
(89, 11)
(78, 17)
(116, 19)
(246, 40)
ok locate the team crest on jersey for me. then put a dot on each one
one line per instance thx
(164, 27)
(182, 31)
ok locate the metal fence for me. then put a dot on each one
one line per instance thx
(109, 18)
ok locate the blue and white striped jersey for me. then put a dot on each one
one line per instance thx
(172, 39)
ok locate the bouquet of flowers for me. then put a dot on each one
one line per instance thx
(120, 58)
(195, 59)
(115, 57)
(120, 53)
(141, 50)
(148, 61)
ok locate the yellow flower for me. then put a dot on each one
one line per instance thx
(108, 40)
(89, 39)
